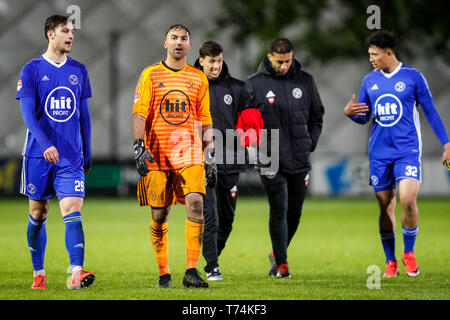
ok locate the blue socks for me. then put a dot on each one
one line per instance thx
(37, 241)
(388, 241)
(409, 238)
(74, 239)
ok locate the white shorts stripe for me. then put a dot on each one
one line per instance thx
(23, 182)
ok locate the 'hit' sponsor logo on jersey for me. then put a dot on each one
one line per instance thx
(63, 103)
(60, 104)
(175, 107)
(388, 110)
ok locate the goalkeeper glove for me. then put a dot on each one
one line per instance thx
(140, 156)
(210, 168)
(446, 164)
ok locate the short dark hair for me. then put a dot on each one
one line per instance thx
(178, 26)
(382, 39)
(281, 46)
(53, 21)
(210, 48)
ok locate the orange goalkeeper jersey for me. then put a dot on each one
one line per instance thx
(175, 104)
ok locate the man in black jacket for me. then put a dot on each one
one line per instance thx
(290, 103)
(228, 101)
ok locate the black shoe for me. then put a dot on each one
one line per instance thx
(273, 265)
(283, 271)
(165, 281)
(192, 279)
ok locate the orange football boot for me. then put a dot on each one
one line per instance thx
(39, 282)
(391, 269)
(411, 267)
(81, 279)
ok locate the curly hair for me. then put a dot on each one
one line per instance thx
(382, 39)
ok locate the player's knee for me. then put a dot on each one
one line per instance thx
(409, 205)
(39, 209)
(70, 204)
(160, 219)
(39, 213)
(160, 215)
(386, 202)
(195, 207)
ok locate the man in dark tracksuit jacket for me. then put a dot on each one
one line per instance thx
(290, 103)
(228, 99)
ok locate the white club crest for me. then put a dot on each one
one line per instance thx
(400, 86)
(297, 93)
(374, 180)
(228, 99)
(73, 79)
(31, 188)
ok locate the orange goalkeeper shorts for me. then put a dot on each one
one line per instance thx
(163, 188)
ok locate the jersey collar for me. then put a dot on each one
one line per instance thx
(54, 63)
(391, 74)
(173, 70)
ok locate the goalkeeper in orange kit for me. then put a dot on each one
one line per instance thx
(170, 116)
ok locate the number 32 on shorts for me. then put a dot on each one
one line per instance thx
(411, 171)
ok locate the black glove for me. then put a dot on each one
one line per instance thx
(210, 168)
(140, 154)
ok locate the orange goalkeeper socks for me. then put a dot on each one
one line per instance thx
(194, 239)
(160, 243)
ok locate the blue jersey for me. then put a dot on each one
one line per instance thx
(57, 90)
(393, 100)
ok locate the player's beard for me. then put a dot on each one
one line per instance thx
(178, 54)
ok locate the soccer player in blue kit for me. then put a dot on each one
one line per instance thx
(390, 96)
(53, 90)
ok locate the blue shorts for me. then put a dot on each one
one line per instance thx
(386, 173)
(41, 180)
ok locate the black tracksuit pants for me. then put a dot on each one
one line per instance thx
(219, 207)
(286, 194)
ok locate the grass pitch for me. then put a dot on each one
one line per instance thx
(336, 242)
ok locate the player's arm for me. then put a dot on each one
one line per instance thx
(210, 155)
(204, 115)
(207, 133)
(426, 101)
(139, 119)
(438, 127)
(357, 111)
(85, 121)
(316, 112)
(85, 130)
(138, 126)
(141, 154)
(27, 106)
